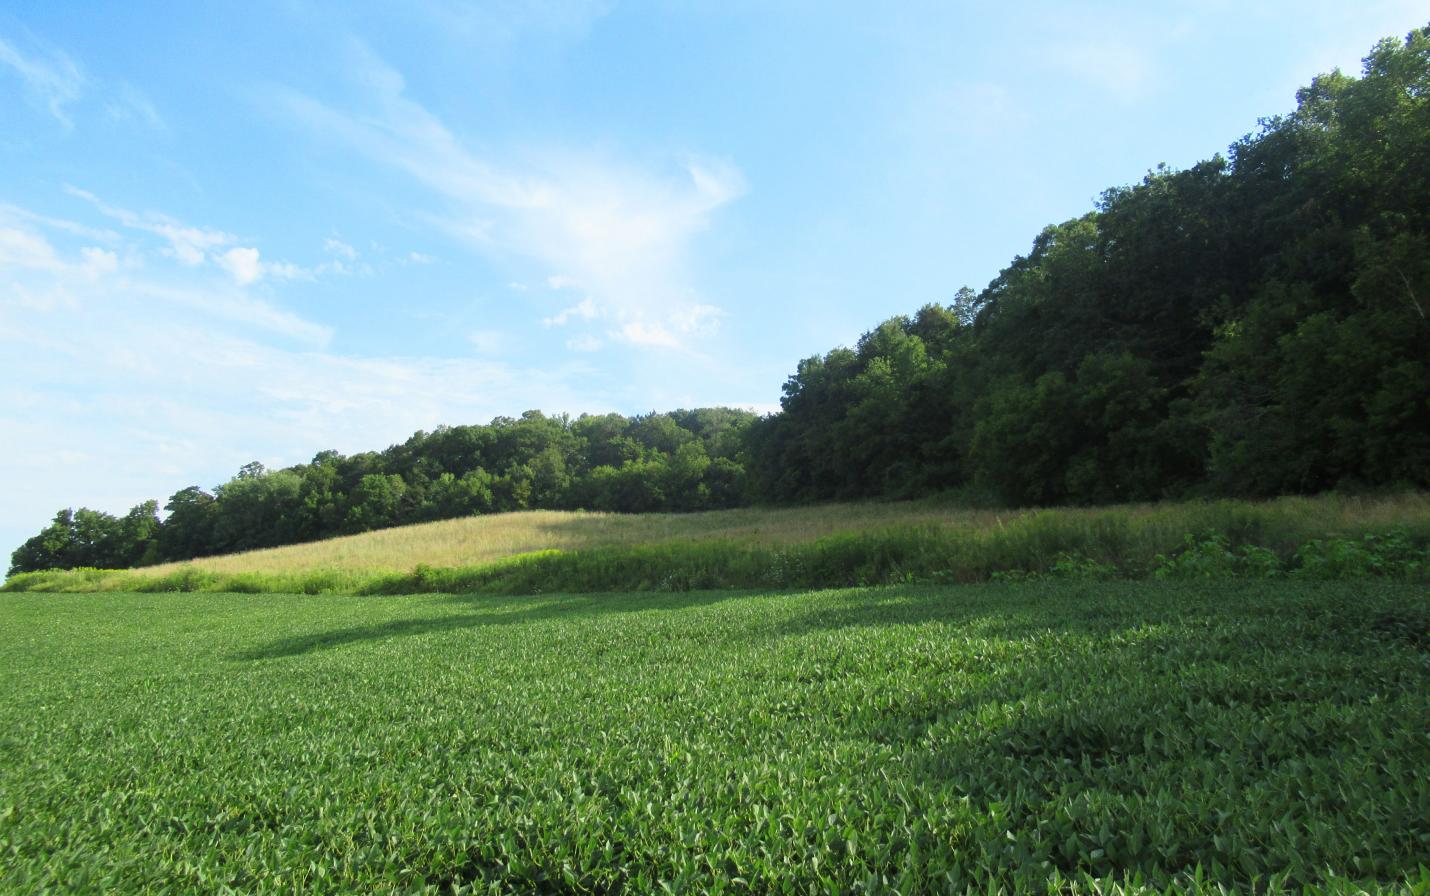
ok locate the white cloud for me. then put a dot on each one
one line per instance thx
(283, 270)
(583, 310)
(487, 341)
(15, 213)
(638, 332)
(697, 318)
(189, 245)
(584, 343)
(340, 249)
(225, 304)
(193, 246)
(620, 234)
(160, 376)
(242, 264)
(202, 404)
(23, 249)
(132, 104)
(39, 276)
(670, 331)
(419, 258)
(55, 81)
(245, 266)
(98, 262)
(52, 79)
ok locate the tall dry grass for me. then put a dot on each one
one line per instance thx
(481, 539)
(788, 547)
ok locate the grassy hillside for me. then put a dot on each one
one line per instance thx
(481, 539)
(906, 740)
(819, 546)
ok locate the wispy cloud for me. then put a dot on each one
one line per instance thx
(129, 103)
(40, 274)
(21, 249)
(487, 342)
(215, 301)
(51, 77)
(181, 376)
(671, 333)
(246, 266)
(340, 249)
(621, 234)
(584, 343)
(189, 245)
(193, 246)
(583, 310)
(98, 234)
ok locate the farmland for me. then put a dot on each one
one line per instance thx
(909, 739)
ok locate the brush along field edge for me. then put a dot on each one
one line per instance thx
(827, 546)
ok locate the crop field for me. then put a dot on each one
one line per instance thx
(1035, 737)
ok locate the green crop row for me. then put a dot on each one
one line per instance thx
(1052, 737)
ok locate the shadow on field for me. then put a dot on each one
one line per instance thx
(1009, 611)
(1020, 610)
(495, 612)
(998, 611)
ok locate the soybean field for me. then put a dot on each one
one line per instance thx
(1046, 736)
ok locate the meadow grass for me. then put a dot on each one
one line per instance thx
(475, 540)
(1069, 737)
(826, 546)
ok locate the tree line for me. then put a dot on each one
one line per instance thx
(679, 461)
(1253, 325)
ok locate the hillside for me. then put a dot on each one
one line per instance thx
(482, 539)
(1333, 536)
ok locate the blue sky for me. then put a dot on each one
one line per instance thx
(255, 231)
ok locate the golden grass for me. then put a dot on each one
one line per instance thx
(475, 540)
(478, 539)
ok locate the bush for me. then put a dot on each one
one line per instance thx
(1393, 554)
(1209, 556)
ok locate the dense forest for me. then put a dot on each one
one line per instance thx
(1253, 325)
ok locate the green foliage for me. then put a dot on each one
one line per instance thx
(1056, 737)
(1067, 565)
(1392, 554)
(90, 538)
(1255, 325)
(1209, 556)
(1235, 540)
(681, 461)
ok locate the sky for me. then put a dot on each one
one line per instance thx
(236, 232)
